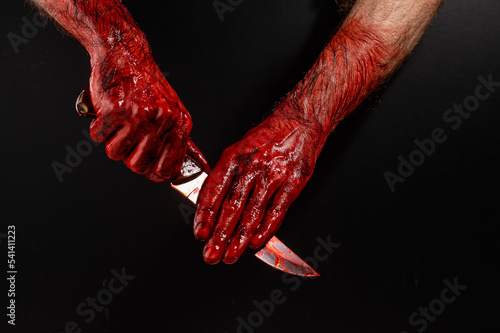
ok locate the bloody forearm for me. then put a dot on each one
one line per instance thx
(370, 45)
(101, 26)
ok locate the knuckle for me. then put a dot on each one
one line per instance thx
(231, 206)
(207, 213)
(220, 234)
(276, 211)
(254, 212)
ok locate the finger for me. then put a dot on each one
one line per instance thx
(273, 217)
(121, 143)
(143, 157)
(195, 153)
(250, 219)
(228, 217)
(212, 193)
(102, 127)
(169, 162)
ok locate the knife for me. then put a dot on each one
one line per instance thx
(189, 184)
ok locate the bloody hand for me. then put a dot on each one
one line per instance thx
(255, 180)
(139, 115)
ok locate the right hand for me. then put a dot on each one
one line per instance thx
(139, 115)
(246, 196)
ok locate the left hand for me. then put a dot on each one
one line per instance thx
(245, 198)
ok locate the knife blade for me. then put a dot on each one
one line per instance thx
(189, 184)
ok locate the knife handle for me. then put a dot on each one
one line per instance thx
(84, 105)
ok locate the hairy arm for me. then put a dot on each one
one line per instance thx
(370, 45)
(101, 26)
(246, 197)
(139, 115)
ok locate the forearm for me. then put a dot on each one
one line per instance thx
(101, 26)
(370, 45)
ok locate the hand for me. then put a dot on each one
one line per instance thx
(140, 116)
(246, 196)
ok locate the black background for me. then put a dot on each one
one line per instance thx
(396, 248)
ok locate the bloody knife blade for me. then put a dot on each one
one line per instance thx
(190, 182)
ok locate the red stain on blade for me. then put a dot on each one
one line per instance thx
(279, 256)
(191, 189)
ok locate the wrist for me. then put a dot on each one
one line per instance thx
(289, 119)
(131, 45)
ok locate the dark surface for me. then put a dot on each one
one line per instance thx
(397, 248)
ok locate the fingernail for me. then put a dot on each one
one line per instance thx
(231, 254)
(212, 254)
(256, 241)
(201, 232)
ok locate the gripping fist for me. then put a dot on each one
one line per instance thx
(139, 115)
